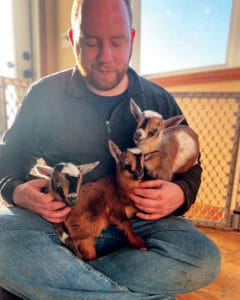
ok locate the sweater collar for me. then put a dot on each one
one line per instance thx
(77, 87)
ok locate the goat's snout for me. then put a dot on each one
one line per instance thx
(138, 136)
(71, 199)
(139, 173)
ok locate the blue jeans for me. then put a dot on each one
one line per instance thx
(33, 264)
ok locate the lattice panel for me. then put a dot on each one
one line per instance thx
(238, 198)
(11, 95)
(215, 117)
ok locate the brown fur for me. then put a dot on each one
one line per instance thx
(102, 203)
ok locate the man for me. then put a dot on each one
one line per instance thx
(69, 116)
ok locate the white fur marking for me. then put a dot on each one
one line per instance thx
(142, 134)
(64, 237)
(71, 170)
(185, 151)
(135, 150)
(150, 114)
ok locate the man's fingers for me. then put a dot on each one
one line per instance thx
(146, 209)
(56, 205)
(156, 183)
(54, 220)
(144, 216)
(60, 213)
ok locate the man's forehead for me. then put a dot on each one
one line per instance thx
(104, 12)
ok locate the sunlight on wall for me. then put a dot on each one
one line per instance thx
(6, 32)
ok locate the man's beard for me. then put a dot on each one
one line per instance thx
(98, 80)
(105, 83)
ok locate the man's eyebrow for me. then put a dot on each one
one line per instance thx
(88, 36)
(120, 36)
(91, 36)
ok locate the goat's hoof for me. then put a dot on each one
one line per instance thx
(90, 257)
(139, 244)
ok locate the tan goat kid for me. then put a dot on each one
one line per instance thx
(168, 148)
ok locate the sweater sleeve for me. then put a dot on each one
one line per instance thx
(8, 185)
(18, 150)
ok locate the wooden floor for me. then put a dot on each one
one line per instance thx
(227, 285)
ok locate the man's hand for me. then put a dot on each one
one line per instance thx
(157, 198)
(29, 196)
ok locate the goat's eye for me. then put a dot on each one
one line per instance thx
(58, 185)
(152, 132)
(127, 165)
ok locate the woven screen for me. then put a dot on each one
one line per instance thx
(11, 94)
(216, 119)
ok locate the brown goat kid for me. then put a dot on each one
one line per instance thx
(102, 203)
(168, 148)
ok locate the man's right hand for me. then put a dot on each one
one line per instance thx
(29, 196)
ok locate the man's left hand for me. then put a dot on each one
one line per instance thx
(157, 198)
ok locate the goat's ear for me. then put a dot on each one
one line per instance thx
(173, 121)
(43, 170)
(86, 168)
(149, 155)
(114, 150)
(135, 109)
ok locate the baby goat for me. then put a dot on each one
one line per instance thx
(168, 148)
(102, 203)
(65, 180)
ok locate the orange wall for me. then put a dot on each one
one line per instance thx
(65, 58)
(227, 86)
(57, 48)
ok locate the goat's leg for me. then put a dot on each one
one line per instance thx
(66, 240)
(86, 247)
(134, 240)
(72, 245)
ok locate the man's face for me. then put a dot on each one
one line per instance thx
(104, 47)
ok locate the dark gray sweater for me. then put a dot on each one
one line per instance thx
(60, 121)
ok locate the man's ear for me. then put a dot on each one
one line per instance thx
(71, 36)
(133, 34)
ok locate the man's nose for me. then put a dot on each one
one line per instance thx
(105, 53)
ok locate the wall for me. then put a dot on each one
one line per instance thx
(47, 43)
(65, 58)
(217, 80)
(225, 86)
(56, 52)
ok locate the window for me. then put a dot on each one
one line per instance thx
(183, 35)
(15, 30)
(6, 32)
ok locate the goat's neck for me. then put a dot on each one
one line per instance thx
(126, 185)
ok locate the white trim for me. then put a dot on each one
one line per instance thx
(233, 55)
(35, 37)
(136, 8)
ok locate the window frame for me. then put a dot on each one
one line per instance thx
(227, 72)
